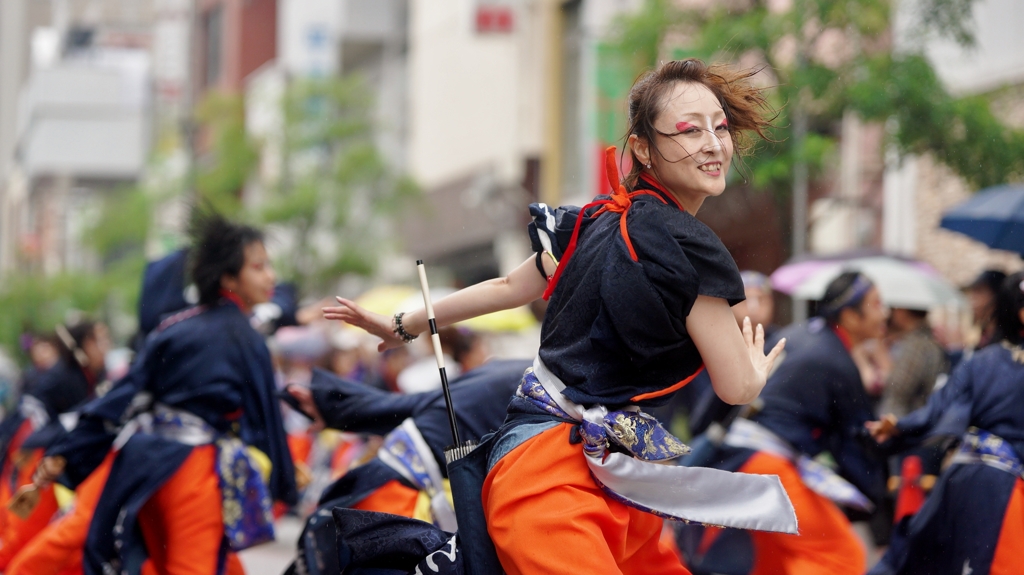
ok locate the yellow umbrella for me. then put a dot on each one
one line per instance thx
(509, 320)
(388, 299)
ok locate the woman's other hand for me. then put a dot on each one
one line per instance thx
(733, 354)
(374, 323)
(754, 340)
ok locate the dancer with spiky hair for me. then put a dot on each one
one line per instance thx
(196, 427)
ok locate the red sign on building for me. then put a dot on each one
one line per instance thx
(493, 18)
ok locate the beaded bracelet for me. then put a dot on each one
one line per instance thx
(399, 329)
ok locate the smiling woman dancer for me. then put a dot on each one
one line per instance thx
(639, 304)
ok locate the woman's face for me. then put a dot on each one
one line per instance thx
(692, 149)
(255, 281)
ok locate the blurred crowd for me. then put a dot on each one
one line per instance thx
(899, 369)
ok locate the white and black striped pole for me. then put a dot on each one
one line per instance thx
(438, 353)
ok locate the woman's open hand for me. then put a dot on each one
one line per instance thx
(374, 323)
(754, 339)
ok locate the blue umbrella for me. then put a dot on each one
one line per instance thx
(994, 217)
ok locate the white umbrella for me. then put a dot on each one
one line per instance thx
(902, 284)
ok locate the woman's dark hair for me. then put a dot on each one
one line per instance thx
(745, 106)
(1009, 301)
(71, 338)
(845, 292)
(218, 248)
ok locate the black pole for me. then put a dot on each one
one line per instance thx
(438, 353)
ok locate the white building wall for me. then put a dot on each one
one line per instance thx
(307, 36)
(919, 190)
(997, 58)
(464, 94)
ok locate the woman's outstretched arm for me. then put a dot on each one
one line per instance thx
(735, 360)
(520, 287)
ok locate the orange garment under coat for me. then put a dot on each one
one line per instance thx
(393, 497)
(8, 470)
(17, 532)
(58, 549)
(1010, 548)
(546, 515)
(826, 543)
(182, 523)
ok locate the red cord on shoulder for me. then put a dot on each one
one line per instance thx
(619, 203)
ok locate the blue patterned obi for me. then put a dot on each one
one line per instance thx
(622, 449)
(638, 433)
(405, 451)
(247, 507)
(984, 448)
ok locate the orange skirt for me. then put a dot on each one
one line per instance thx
(393, 497)
(1010, 548)
(182, 523)
(58, 548)
(17, 532)
(545, 515)
(826, 543)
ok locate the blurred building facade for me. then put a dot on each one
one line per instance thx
(76, 122)
(486, 104)
(918, 189)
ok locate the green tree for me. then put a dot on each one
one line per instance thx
(331, 204)
(335, 191)
(814, 86)
(228, 163)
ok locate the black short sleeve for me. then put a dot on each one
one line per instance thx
(682, 257)
(551, 228)
(615, 330)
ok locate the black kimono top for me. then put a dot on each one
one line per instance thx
(615, 328)
(816, 401)
(207, 361)
(986, 391)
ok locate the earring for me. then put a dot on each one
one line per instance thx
(648, 165)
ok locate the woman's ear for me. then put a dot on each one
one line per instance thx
(229, 283)
(640, 148)
(1020, 315)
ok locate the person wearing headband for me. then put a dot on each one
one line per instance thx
(973, 521)
(814, 402)
(26, 433)
(760, 301)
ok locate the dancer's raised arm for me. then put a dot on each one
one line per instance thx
(520, 287)
(726, 350)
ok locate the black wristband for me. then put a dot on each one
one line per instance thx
(399, 329)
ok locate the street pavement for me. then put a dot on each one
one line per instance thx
(273, 558)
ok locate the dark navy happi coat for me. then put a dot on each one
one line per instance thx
(207, 361)
(814, 400)
(54, 391)
(480, 398)
(960, 526)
